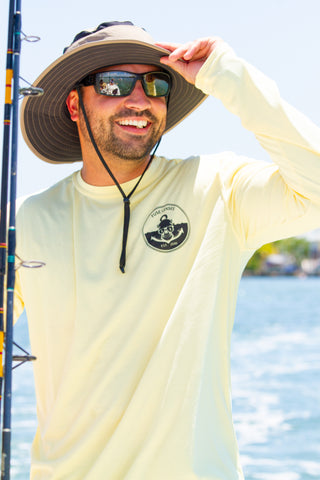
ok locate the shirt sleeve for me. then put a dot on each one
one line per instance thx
(266, 201)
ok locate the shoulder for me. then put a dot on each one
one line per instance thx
(49, 198)
(208, 167)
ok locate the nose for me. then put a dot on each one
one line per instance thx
(138, 100)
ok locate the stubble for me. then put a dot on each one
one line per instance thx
(136, 148)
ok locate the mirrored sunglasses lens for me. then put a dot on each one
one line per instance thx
(157, 84)
(113, 85)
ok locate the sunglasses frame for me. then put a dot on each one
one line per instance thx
(92, 79)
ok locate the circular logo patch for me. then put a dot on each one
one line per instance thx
(166, 228)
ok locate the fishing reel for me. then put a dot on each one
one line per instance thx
(31, 91)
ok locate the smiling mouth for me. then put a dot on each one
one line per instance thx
(134, 123)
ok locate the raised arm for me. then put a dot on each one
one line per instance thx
(266, 201)
(188, 58)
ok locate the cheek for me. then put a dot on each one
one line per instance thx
(160, 107)
(162, 104)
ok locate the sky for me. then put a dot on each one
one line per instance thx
(280, 37)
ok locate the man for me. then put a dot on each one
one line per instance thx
(133, 370)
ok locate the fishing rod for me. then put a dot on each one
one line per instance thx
(8, 226)
(15, 23)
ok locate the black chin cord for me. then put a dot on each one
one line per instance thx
(126, 198)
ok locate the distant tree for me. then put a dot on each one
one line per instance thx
(258, 258)
(299, 248)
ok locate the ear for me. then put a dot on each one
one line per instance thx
(73, 105)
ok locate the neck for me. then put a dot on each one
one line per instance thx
(94, 173)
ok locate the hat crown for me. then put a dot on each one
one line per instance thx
(110, 31)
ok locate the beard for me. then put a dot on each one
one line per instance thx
(109, 143)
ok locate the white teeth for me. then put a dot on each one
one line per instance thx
(134, 123)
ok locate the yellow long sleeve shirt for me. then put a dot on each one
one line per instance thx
(133, 370)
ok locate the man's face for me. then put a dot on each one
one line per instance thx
(126, 127)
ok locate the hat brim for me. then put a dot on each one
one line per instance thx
(45, 122)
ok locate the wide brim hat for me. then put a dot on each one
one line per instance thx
(45, 120)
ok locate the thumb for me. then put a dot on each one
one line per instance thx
(188, 70)
(178, 65)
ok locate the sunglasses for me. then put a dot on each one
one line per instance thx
(121, 84)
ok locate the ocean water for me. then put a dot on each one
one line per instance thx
(275, 377)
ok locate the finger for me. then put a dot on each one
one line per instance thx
(177, 50)
(180, 52)
(200, 49)
(190, 51)
(179, 66)
(195, 50)
(168, 46)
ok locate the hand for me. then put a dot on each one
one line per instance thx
(187, 59)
